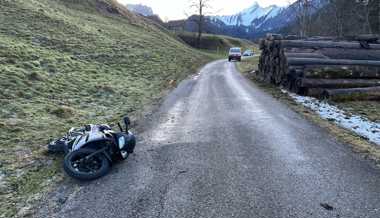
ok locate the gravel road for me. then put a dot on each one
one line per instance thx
(218, 146)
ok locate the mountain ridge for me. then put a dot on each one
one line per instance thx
(140, 9)
(250, 23)
(248, 16)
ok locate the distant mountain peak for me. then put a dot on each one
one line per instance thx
(249, 15)
(140, 9)
(250, 23)
(255, 4)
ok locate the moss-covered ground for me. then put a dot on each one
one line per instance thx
(368, 109)
(65, 63)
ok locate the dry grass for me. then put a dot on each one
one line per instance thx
(369, 109)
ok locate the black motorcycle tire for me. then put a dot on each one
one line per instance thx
(85, 176)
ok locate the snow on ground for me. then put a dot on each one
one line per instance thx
(360, 125)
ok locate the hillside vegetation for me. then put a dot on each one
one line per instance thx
(216, 43)
(339, 18)
(64, 63)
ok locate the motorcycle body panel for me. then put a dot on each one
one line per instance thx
(91, 137)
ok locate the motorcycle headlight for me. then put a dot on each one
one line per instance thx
(121, 142)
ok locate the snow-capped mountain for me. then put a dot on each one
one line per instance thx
(140, 9)
(251, 23)
(254, 15)
(257, 20)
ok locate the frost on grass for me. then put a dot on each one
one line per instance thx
(358, 124)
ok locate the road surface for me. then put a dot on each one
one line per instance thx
(221, 147)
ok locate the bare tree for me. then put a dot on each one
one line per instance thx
(363, 12)
(200, 6)
(337, 11)
(303, 13)
(378, 17)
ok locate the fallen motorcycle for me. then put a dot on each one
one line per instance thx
(90, 151)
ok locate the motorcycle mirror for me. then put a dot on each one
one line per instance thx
(121, 128)
(127, 123)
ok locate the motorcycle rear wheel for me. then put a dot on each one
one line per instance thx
(76, 166)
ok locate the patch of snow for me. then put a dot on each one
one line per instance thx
(274, 12)
(358, 124)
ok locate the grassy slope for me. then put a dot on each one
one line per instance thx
(216, 43)
(64, 63)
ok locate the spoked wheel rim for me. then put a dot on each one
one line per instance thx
(81, 163)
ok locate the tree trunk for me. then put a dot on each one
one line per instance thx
(304, 55)
(344, 72)
(336, 83)
(200, 24)
(378, 14)
(368, 19)
(319, 61)
(325, 44)
(370, 93)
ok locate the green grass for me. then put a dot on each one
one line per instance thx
(65, 63)
(368, 109)
(247, 65)
(216, 43)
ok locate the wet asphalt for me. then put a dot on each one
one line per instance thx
(218, 146)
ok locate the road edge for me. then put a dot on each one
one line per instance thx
(358, 145)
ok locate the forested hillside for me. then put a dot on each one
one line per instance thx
(337, 18)
(303, 17)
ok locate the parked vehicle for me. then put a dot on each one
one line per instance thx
(248, 53)
(234, 54)
(90, 151)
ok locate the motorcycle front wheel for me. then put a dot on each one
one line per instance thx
(77, 165)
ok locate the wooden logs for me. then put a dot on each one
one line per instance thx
(336, 83)
(325, 44)
(305, 55)
(312, 65)
(335, 72)
(369, 93)
(319, 61)
(370, 38)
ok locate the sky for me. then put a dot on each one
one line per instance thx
(176, 9)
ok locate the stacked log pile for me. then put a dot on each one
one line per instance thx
(322, 66)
